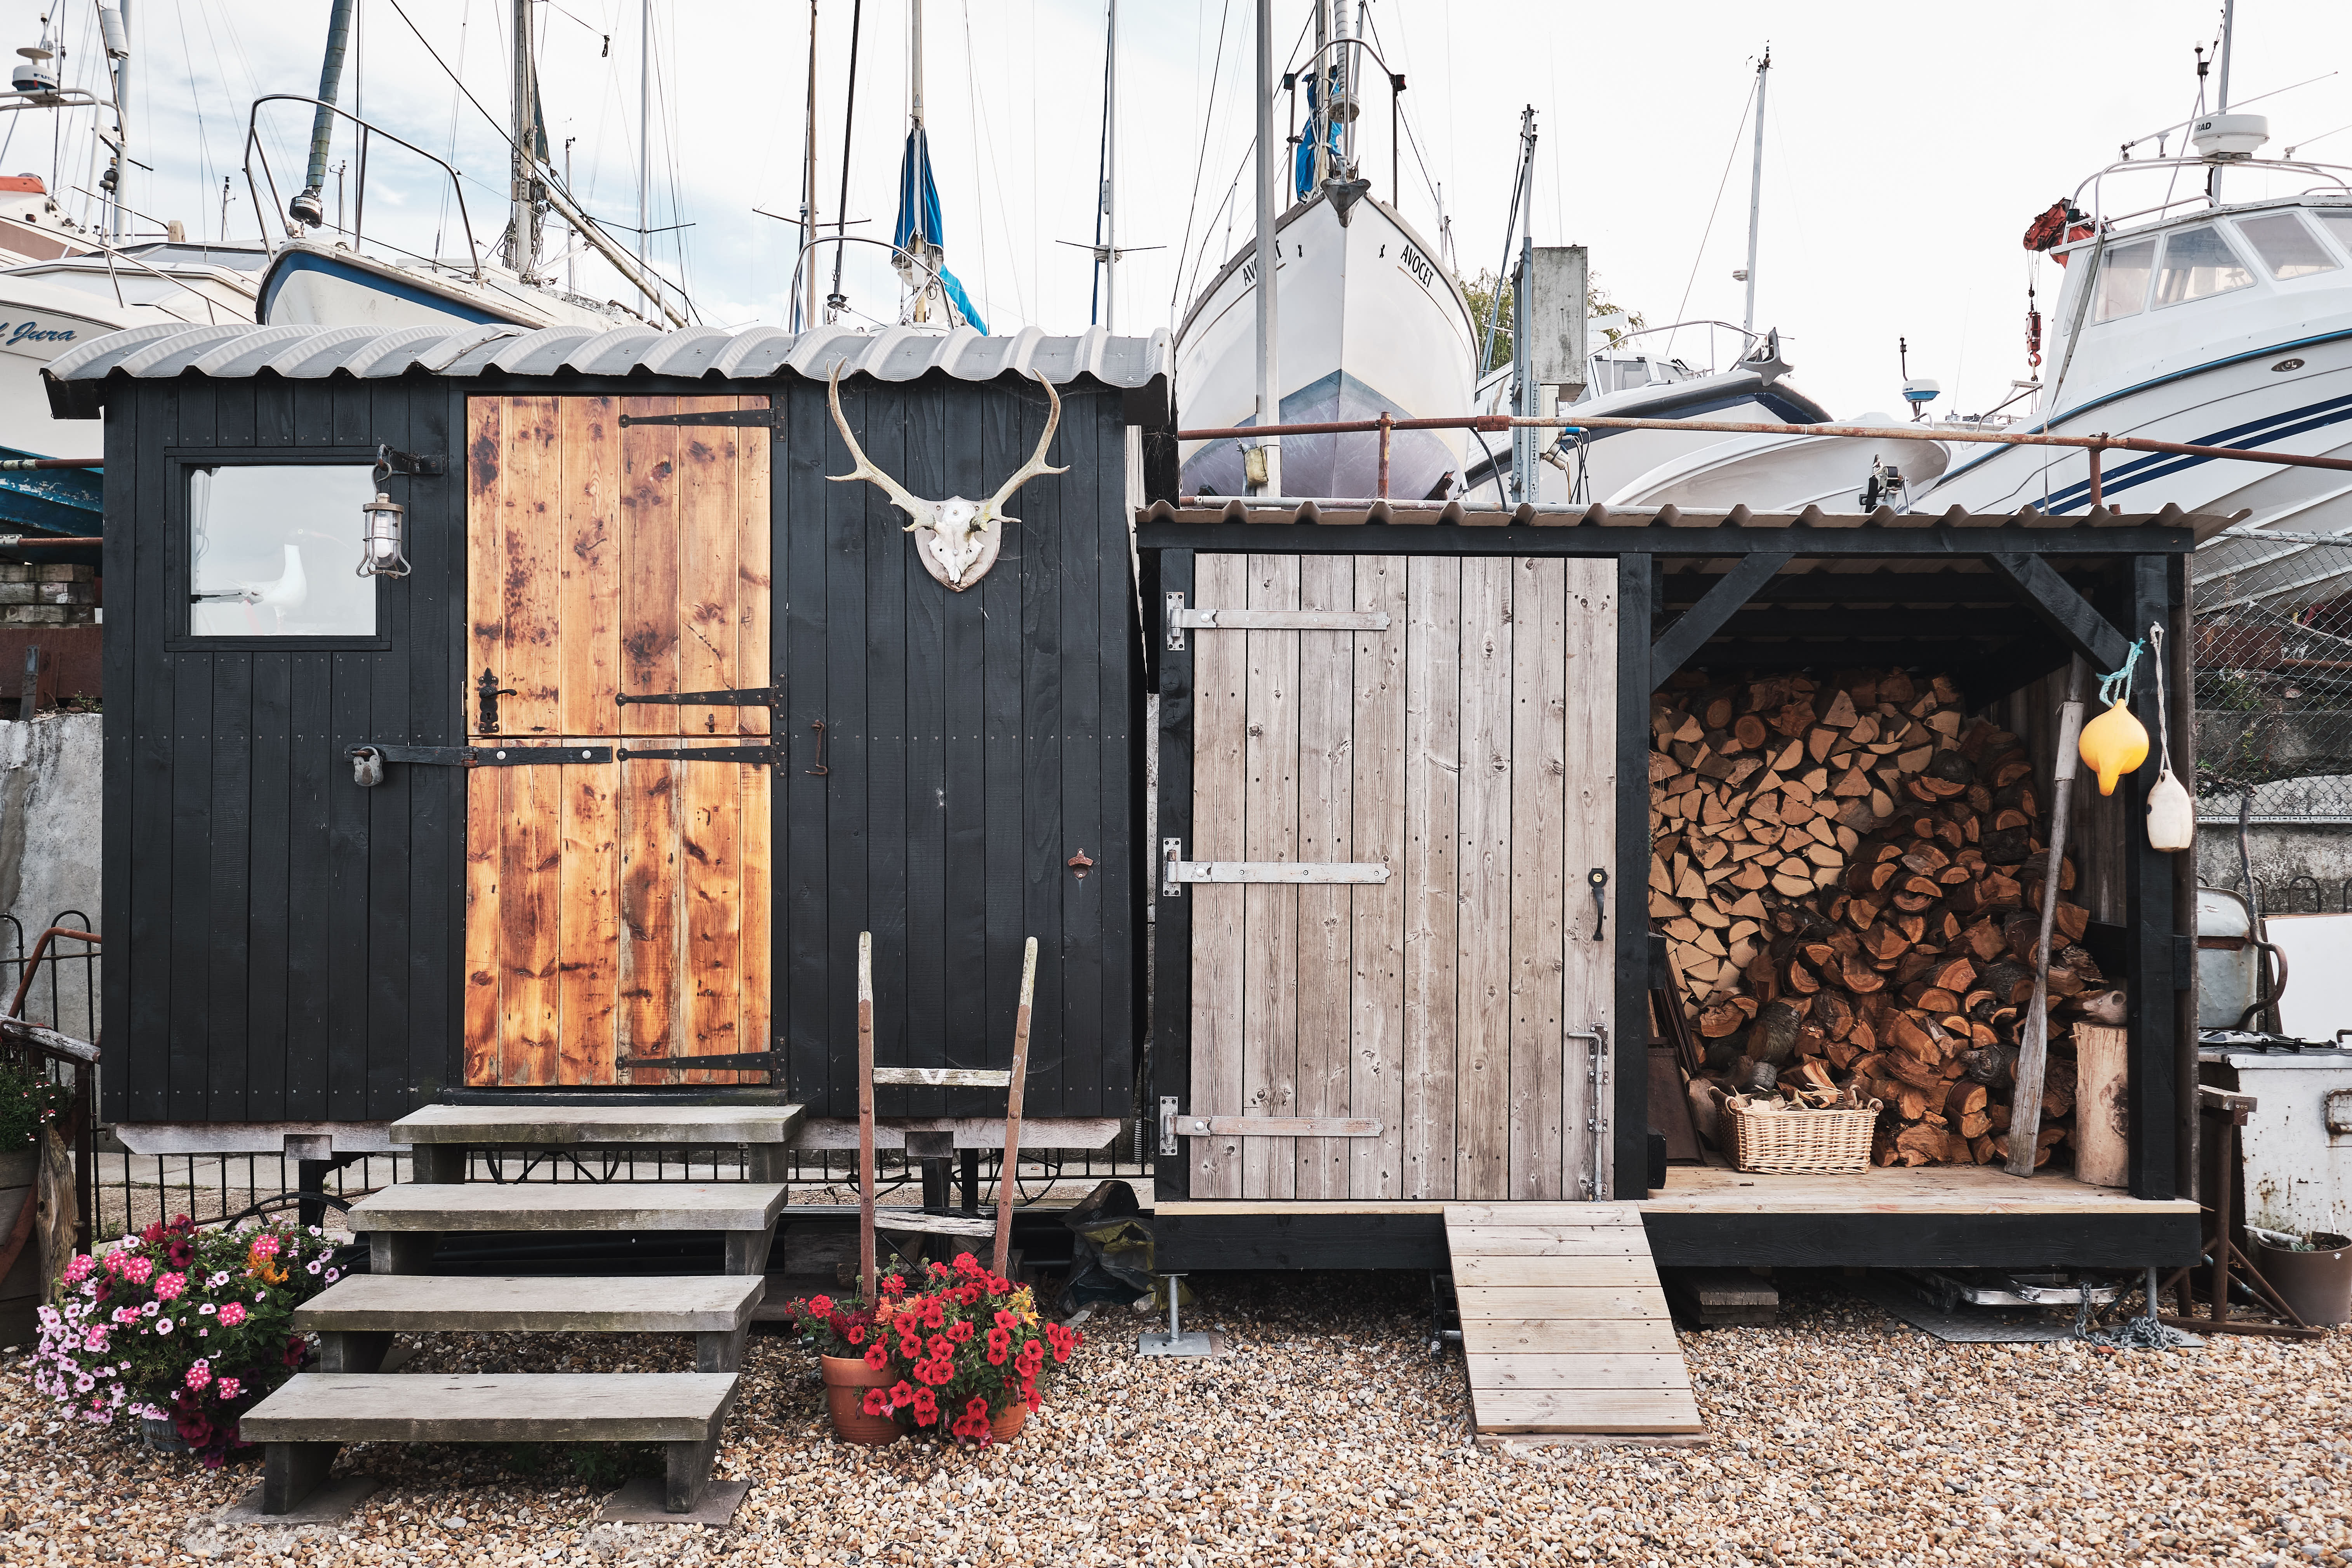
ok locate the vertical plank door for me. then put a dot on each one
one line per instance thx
(1469, 746)
(615, 909)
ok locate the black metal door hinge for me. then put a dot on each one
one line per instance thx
(744, 697)
(367, 761)
(735, 418)
(761, 756)
(769, 1062)
(415, 465)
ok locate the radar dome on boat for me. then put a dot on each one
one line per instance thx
(1920, 390)
(2229, 135)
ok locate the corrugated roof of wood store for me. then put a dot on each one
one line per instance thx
(76, 378)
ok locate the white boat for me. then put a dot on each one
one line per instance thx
(327, 283)
(1784, 473)
(2205, 322)
(1368, 317)
(1368, 322)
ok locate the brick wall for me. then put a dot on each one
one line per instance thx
(47, 595)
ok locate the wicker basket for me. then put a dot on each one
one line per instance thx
(1777, 1137)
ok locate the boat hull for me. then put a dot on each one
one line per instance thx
(1781, 473)
(1368, 323)
(312, 285)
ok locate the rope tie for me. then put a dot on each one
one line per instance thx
(2117, 686)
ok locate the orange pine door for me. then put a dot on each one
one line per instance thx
(617, 910)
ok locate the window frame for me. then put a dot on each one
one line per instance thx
(2096, 282)
(180, 464)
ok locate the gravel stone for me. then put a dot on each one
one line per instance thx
(1332, 1437)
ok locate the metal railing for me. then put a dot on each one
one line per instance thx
(51, 1016)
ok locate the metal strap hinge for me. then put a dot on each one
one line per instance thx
(761, 756)
(743, 697)
(1179, 619)
(737, 418)
(1276, 1127)
(739, 1062)
(1175, 871)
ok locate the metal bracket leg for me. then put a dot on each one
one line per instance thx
(353, 1351)
(291, 1473)
(1176, 1342)
(689, 1473)
(441, 1164)
(719, 1351)
(747, 1250)
(401, 1251)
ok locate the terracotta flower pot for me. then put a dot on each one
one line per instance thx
(1007, 1424)
(846, 1379)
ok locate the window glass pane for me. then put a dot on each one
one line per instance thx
(272, 549)
(2338, 222)
(2286, 245)
(2198, 262)
(2123, 279)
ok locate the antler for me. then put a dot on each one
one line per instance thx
(902, 498)
(1036, 464)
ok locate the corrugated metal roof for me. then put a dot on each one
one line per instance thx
(899, 353)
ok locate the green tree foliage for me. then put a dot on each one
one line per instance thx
(1488, 294)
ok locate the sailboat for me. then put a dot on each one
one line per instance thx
(323, 273)
(66, 280)
(1366, 318)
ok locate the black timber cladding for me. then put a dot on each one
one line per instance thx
(289, 944)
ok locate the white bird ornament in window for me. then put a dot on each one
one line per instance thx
(957, 539)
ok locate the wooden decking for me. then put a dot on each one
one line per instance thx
(1564, 1326)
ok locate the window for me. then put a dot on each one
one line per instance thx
(2197, 263)
(2123, 281)
(2336, 221)
(272, 548)
(2286, 247)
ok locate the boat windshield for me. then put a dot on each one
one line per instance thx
(2338, 222)
(2286, 244)
(2198, 264)
(2123, 281)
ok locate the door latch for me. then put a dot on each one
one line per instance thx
(1167, 1103)
(487, 690)
(1597, 879)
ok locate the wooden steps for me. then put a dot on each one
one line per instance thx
(306, 1420)
(1564, 1324)
(304, 1424)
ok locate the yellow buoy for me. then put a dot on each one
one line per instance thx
(2114, 745)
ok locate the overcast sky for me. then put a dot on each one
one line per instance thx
(1907, 147)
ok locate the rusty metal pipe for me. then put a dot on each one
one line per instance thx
(19, 465)
(1388, 425)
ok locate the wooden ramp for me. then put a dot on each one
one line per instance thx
(1564, 1324)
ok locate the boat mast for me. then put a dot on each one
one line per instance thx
(1111, 173)
(920, 246)
(645, 116)
(2221, 89)
(306, 207)
(808, 188)
(522, 226)
(114, 26)
(1755, 191)
(1269, 405)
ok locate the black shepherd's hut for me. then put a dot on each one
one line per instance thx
(640, 724)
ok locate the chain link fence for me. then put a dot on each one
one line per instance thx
(2274, 677)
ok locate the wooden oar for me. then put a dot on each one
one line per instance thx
(1004, 1176)
(865, 1113)
(2033, 1050)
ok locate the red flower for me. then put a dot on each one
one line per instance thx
(820, 1305)
(298, 1351)
(999, 1344)
(939, 1270)
(927, 1407)
(968, 1295)
(855, 1333)
(1007, 1320)
(892, 1285)
(902, 1392)
(1031, 1398)
(877, 1357)
(968, 1266)
(877, 1402)
(940, 1347)
(960, 1331)
(910, 1347)
(934, 1314)
(998, 1284)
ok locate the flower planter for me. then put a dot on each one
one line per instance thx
(2317, 1284)
(846, 1379)
(1006, 1425)
(20, 1293)
(161, 1435)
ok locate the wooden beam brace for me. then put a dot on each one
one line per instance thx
(2055, 603)
(1681, 640)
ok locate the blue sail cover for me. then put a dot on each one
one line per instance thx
(918, 217)
(1303, 161)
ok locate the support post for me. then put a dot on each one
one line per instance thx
(1005, 1182)
(864, 1115)
(2057, 606)
(291, 1473)
(2152, 1014)
(1172, 919)
(1681, 641)
(1636, 599)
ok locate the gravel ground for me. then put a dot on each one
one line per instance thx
(1332, 1437)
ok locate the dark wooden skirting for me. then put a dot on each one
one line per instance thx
(1393, 539)
(1210, 1243)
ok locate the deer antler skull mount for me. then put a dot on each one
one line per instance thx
(957, 539)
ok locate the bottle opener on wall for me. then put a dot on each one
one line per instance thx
(957, 539)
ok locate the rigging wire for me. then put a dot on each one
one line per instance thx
(1720, 185)
(196, 101)
(987, 148)
(1193, 203)
(848, 126)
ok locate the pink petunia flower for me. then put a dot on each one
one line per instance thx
(228, 1388)
(168, 1286)
(232, 1314)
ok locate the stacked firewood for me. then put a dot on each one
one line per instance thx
(1848, 873)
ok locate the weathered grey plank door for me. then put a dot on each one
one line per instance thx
(1469, 746)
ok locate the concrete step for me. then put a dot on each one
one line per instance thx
(401, 1222)
(356, 1316)
(569, 1205)
(426, 1303)
(572, 1126)
(314, 1414)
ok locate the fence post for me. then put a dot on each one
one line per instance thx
(29, 702)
